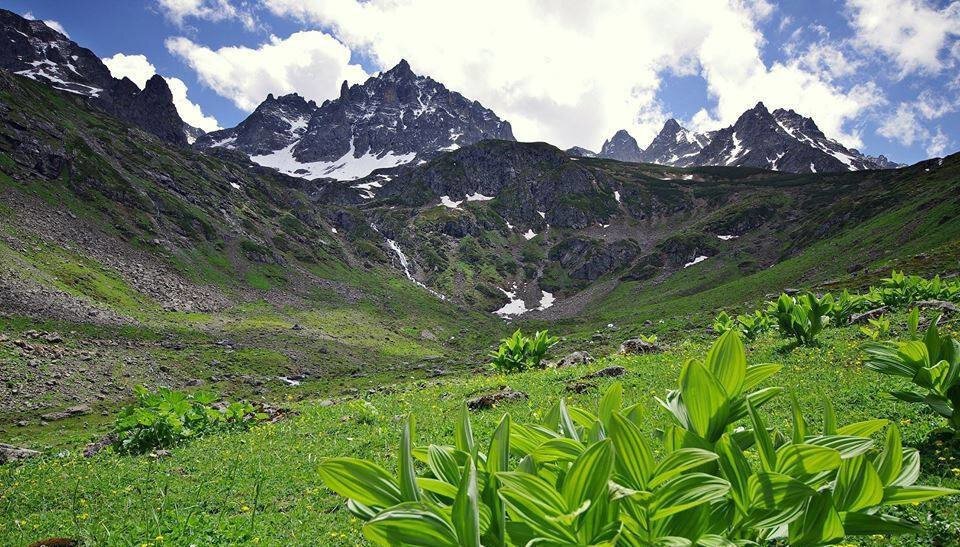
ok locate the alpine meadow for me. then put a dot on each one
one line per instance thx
(464, 274)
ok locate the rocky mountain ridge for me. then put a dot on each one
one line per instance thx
(782, 140)
(393, 118)
(35, 50)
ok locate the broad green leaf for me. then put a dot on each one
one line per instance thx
(768, 458)
(407, 474)
(847, 446)
(588, 475)
(634, 458)
(818, 524)
(705, 400)
(727, 362)
(756, 374)
(829, 418)
(464, 432)
(863, 429)
(412, 524)
(687, 491)
(360, 480)
(910, 470)
(865, 524)
(777, 491)
(531, 500)
(890, 461)
(443, 462)
(858, 485)
(899, 495)
(736, 469)
(561, 449)
(611, 402)
(678, 462)
(797, 460)
(567, 428)
(466, 513)
(442, 488)
(799, 424)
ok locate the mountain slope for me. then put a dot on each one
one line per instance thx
(206, 269)
(34, 50)
(393, 118)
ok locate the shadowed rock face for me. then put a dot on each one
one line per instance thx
(621, 146)
(34, 50)
(394, 114)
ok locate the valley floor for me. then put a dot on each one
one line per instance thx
(261, 487)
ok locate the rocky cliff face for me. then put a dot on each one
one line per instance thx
(621, 146)
(393, 118)
(34, 50)
(674, 145)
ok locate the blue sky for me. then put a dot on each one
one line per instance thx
(880, 75)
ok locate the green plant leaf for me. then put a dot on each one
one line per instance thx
(466, 513)
(777, 491)
(407, 474)
(687, 491)
(360, 480)
(818, 524)
(463, 433)
(866, 524)
(727, 362)
(858, 485)
(588, 475)
(412, 524)
(634, 457)
(680, 461)
(797, 460)
(890, 461)
(899, 495)
(705, 400)
(768, 457)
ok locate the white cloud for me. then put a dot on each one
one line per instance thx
(135, 67)
(210, 10)
(310, 63)
(906, 125)
(55, 25)
(912, 33)
(937, 144)
(573, 76)
(139, 70)
(903, 126)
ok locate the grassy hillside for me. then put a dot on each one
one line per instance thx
(262, 486)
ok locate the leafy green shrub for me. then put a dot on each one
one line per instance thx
(592, 478)
(903, 290)
(877, 328)
(518, 352)
(749, 326)
(846, 305)
(802, 317)
(165, 418)
(364, 411)
(932, 364)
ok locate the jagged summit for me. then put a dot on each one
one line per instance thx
(782, 140)
(393, 118)
(621, 146)
(36, 51)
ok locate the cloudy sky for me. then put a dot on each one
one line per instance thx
(880, 75)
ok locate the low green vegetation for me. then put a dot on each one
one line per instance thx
(519, 353)
(931, 363)
(165, 418)
(584, 478)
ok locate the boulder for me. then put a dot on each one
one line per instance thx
(69, 412)
(637, 345)
(575, 359)
(489, 400)
(609, 372)
(942, 305)
(10, 453)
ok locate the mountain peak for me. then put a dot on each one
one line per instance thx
(401, 71)
(671, 125)
(621, 146)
